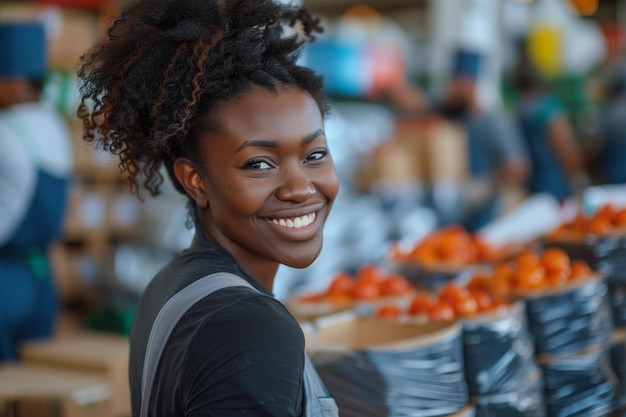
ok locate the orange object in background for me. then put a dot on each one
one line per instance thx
(584, 7)
(530, 271)
(450, 246)
(607, 220)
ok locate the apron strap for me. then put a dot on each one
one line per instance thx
(318, 401)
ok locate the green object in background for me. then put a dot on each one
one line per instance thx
(111, 320)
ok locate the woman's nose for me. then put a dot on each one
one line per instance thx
(296, 187)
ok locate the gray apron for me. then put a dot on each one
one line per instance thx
(318, 402)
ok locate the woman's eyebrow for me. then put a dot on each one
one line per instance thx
(266, 143)
(310, 138)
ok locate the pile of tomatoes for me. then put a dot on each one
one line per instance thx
(605, 221)
(369, 284)
(452, 301)
(449, 246)
(531, 271)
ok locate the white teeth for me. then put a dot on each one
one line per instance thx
(296, 222)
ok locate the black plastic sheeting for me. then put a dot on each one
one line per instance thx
(498, 351)
(424, 381)
(582, 384)
(526, 400)
(618, 361)
(571, 320)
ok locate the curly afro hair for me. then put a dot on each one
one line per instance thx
(148, 90)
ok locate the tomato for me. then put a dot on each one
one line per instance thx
(599, 226)
(558, 277)
(478, 282)
(364, 291)
(619, 219)
(455, 246)
(388, 311)
(424, 252)
(555, 259)
(501, 279)
(370, 274)
(342, 283)
(452, 292)
(419, 305)
(465, 307)
(482, 298)
(395, 284)
(580, 269)
(339, 298)
(440, 311)
(527, 257)
(529, 277)
(484, 251)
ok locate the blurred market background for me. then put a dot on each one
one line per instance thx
(399, 142)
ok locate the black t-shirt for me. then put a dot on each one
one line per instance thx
(235, 353)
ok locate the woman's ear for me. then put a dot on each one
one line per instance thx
(189, 177)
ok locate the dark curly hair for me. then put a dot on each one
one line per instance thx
(148, 90)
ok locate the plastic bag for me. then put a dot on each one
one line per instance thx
(582, 384)
(426, 380)
(498, 351)
(526, 400)
(570, 320)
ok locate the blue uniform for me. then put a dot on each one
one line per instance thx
(547, 174)
(492, 142)
(35, 169)
(613, 136)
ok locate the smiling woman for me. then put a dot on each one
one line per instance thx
(211, 90)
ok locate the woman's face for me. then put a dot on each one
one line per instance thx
(269, 180)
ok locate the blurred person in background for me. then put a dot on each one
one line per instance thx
(498, 159)
(612, 134)
(35, 169)
(557, 161)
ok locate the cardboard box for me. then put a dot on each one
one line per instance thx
(100, 353)
(41, 391)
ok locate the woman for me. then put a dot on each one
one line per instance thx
(212, 91)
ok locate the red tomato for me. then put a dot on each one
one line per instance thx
(482, 298)
(555, 259)
(440, 311)
(364, 291)
(478, 282)
(580, 269)
(395, 284)
(341, 284)
(419, 305)
(465, 307)
(388, 311)
(452, 292)
(370, 274)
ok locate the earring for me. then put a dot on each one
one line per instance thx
(201, 200)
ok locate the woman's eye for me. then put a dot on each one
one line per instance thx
(317, 155)
(257, 164)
